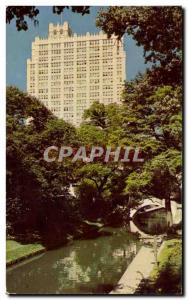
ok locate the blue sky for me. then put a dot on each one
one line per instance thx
(18, 44)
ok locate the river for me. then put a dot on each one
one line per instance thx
(92, 266)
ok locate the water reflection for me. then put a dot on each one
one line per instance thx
(86, 266)
(152, 223)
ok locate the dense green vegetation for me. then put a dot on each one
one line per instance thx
(39, 199)
(40, 206)
(166, 278)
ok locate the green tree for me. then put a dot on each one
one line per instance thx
(38, 196)
(105, 182)
(161, 39)
(156, 123)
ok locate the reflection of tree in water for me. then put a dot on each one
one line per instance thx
(86, 266)
(154, 223)
(96, 262)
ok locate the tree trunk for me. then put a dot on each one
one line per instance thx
(168, 212)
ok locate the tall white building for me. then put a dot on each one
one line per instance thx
(68, 72)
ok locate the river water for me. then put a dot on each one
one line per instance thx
(91, 266)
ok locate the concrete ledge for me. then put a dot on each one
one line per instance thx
(139, 269)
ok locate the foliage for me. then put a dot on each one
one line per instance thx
(149, 117)
(166, 278)
(157, 28)
(49, 202)
(96, 115)
(156, 121)
(161, 171)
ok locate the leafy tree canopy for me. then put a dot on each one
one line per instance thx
(157, 28)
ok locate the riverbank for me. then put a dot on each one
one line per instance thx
(155, 272)
(140, 268)
(16, 252)
(166, 277)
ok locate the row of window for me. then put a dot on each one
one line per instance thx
(43, 55)
(93, 60)
(79, 43)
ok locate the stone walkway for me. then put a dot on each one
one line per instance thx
(139, 269)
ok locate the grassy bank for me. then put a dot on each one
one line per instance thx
(166, 278)
(16, 252)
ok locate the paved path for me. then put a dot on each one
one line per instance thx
(140, 268)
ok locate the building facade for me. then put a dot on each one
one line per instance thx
(68, 72)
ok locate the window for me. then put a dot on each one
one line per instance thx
(43, 71)
(43, 58)
(94, 94)
(81, 50)
(68, 63)
(81, 81)
(55, 77)
(42, 91)
(93, 68)
(56, 71)
(55, 64)
(81, 69)
(69, 89)
(43, 52)
(55, 83)
(108, 42)
(68, 51)
(94, 55)
(107, 54)
(81, 56)
(107, 48)
(55, 90)
(68, 108)
(107, 68)
(94, 74)
(81, 88)
(107, 74)
(56, 51)
(94, 49)
(55, 58)
(107, 87)
(95, 42)
(68, 45)
(81, 101)
(94, 81)
(69, 96)
(81, 43)
(83, 75)
(94, 87)
(43, 65)
(68, 102)
(81, 63)
(55, 96)
(56, 46)
(68, 82)
(68, 57)
(81, 95)
(55, 103)
(68, 76)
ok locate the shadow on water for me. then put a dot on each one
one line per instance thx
(154, 223)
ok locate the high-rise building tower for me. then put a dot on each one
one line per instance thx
(68, 72)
